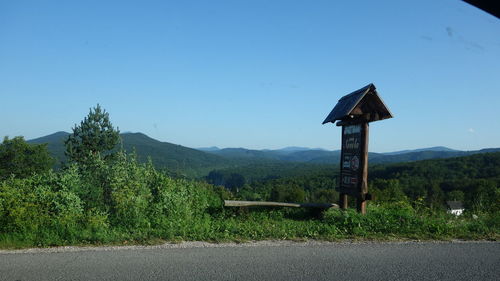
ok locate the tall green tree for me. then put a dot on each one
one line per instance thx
(95, 136)
(21, 159)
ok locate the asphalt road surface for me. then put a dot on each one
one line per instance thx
(260, 261)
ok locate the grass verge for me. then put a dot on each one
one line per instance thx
(381, 223)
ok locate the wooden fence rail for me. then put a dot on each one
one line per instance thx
(233, 203)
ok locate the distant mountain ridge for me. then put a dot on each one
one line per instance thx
(322, 156)
(291, 149)
(211, 148)
(435, 148)
(198, 162)
(55, 144)
(176, 158)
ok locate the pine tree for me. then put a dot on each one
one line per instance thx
(95, 136)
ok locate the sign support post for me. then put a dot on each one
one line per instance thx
(361, 201)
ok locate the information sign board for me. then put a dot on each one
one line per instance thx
(351, 169)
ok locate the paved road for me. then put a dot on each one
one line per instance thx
(261, 261)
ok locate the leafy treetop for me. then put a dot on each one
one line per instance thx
(21, 159)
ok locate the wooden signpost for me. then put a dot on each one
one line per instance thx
(353, 112)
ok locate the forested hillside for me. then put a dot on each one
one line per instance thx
(176, 159)
(55, 145)
(475, 180)
(182, 161)
(306, 175)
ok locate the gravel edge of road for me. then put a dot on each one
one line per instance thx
(202, 244)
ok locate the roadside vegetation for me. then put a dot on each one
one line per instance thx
(122, 201)
(105, 196)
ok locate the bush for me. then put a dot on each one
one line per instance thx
(103, 201)
(137, 196)
(42, 207)
(21, 159)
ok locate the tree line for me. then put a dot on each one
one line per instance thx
(473, 180)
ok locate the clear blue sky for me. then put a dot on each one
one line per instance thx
(255, 74)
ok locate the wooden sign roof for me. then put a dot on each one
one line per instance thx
(364, 102)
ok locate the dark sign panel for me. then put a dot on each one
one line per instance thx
(351, 158)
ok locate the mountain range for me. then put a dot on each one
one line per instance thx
(322, 156)
(191, 162)
(176, 158)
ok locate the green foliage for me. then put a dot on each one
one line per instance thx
(455, 195)
(21, 159)
(485, 195)
(434, 180)
(286, 193)
(402, 220)
(283, 183)
(387, 190)
(119, 199)
(396, 218)
(232, 181)
(95, 135)
(235, 181)
(177, 160)
(475, 180)
(99, 201)
(266, 171)
(104, 195)
(55, 146)
(42, 208)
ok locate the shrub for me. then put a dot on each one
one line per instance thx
(21, 159)
(42, 206)
(100, 201)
